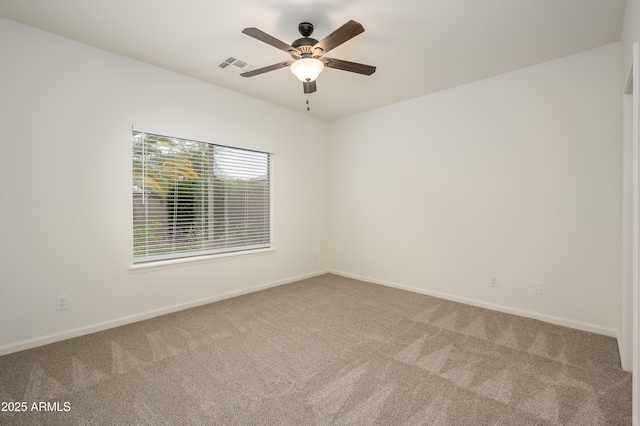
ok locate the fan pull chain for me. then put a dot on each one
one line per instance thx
(307, 85)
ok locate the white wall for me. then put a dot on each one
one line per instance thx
(630, 299)
(630, 34)
(516, 176)
(66, 111)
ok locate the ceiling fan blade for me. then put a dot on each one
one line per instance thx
(309, 86)
(266, 38)
(339, 36)
(267, 69)
(339, 64)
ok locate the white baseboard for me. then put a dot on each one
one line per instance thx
(494, 307)
(93, 328)
(625, 362)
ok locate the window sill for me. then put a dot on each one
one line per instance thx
(186, 261)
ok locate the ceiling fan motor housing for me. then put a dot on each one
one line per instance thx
(305, 44)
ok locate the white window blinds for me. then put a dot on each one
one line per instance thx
(195, 198)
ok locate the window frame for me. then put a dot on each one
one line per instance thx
(207, 255)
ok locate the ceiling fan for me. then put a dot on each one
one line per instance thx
(308, 53)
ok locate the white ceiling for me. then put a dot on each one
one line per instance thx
(418, 46)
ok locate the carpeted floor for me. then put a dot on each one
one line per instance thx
(323, 351)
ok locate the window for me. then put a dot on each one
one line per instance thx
(195, 198)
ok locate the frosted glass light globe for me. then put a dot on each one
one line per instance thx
(307, 69)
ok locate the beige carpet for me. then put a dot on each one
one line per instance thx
(323, 351)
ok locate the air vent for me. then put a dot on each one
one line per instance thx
(238, 66)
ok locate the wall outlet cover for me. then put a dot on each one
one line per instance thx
(62, 303)
(493, 281)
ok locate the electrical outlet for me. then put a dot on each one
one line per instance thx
(493, 281)
(62, 303)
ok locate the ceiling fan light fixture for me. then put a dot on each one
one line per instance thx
(307, 69)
